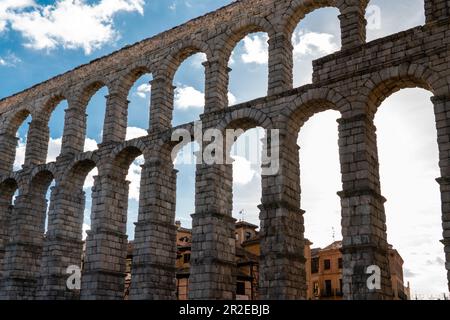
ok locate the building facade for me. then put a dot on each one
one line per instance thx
(324, 267)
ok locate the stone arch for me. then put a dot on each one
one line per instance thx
(310, 103)
(245, 119)
(123, 156)
(9, 139)
(41, 179)
(79, 168)
(225, 45)
(16, 119)
(180, 52)
(51, 103)
(299, 9)
(386, 82)
(47, 170)
(127, 79)
(88, 91)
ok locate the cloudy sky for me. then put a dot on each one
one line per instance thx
(42, 38)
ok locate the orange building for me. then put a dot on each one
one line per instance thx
(323, 267)
(326, 274)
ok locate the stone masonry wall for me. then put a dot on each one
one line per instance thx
(353, 81)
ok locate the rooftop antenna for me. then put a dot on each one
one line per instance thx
(333, 233)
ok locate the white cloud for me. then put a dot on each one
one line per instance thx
(231, 98)
(242, 171)
(89, 182)
(20, 154)
(10, 60)
(232, 60)
(256, 49)
(8, 7)
(133, 133)
(86, 228)
(90, 145)
(143, 90)
(71, 24)
(173, 7)
(134, 176)
(313, 43)
(198, 59)
(54, 149)
(188, 97)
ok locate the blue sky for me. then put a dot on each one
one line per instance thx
(35, 46)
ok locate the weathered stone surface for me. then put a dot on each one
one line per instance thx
(353, 81)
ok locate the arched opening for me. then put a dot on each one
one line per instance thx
(409, 165)
(313, 39)
(248, 62)
(320, 180)
(139, 97)
(66, 230)
(56, 130)
(246, 154)
(38, 197)
(189, 95)
(95, 110)
(19, 129)
(134, 179)
(384, 17)
(185, 165)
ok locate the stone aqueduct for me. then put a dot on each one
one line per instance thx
(353, 81)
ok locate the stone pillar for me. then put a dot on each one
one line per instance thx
(436, 10)
(115, 126)
(8, 144)
(63, 246)
(353, 23)
(6, 195)
(161, 109)
(442, 113)
(363, 218)
(74, 129)
(104, 269)
(281, 64)
(216, 85)
(24, 249)
(153, 275)
(282, 262)
(37, 143)
(213, 264)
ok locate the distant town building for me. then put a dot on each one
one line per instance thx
(323, 267)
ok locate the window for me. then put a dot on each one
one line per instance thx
(327, 264)
(340, 288)
(187, 258)
(314, 265)
(248, 235)
(340, 263)
(316, 289)
(328, 288)
(240, 288)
